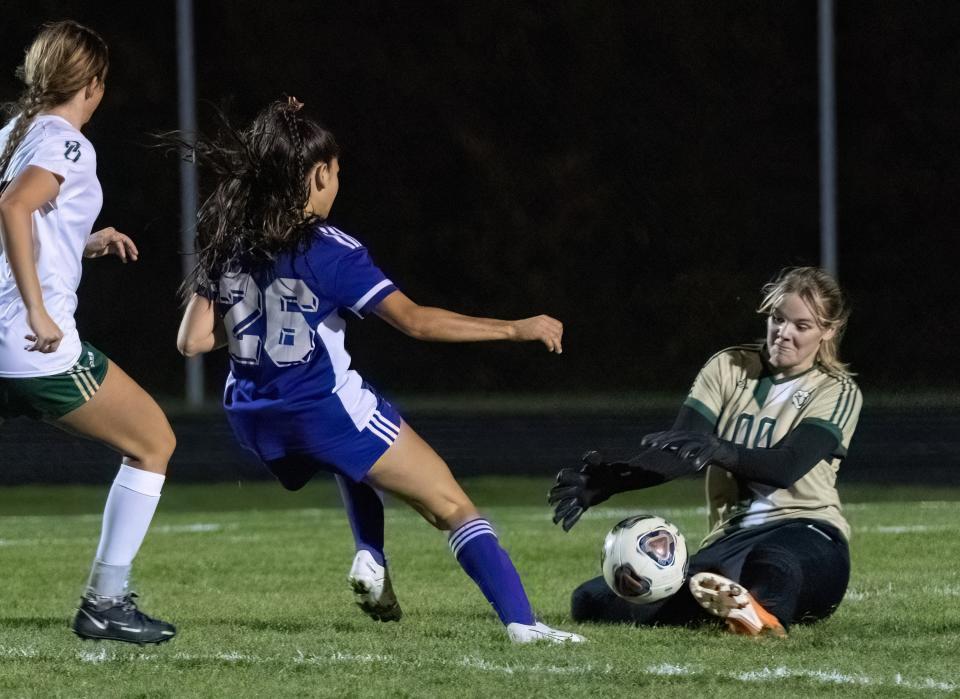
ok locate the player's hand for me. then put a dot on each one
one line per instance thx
(696, 448)
(543, 329)
(46, 333)
(594, 481)
(110, 241)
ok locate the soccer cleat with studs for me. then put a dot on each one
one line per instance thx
(119, 620)
(731, 602)
(538, 631)
(372, 588)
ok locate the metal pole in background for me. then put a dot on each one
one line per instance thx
(189, 197)
(828, 138)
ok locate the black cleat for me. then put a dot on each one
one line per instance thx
(119, 620)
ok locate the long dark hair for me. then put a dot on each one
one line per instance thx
(63, 58)
(256, 210)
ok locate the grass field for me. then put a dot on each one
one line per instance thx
(255, 579)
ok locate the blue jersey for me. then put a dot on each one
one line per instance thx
(290, 388)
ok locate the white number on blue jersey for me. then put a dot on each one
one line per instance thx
(240, 292)
(289, 338)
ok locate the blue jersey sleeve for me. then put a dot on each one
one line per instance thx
(359, 284)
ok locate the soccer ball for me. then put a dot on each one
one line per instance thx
(644, 559)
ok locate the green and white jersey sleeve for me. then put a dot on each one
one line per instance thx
(60, 231)
(736, 392)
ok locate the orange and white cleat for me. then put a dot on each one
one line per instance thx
(731, 602)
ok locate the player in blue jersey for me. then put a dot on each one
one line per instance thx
(271, 283)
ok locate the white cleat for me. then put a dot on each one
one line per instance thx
(372, 588)
(532, 633)
(731, 602)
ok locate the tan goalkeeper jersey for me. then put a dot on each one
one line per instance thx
(736, 392)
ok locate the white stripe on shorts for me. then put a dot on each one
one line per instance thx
(83, 391)
(383, 423)
(88, 381)
(389, 440)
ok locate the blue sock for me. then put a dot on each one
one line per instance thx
(365, 512)
(478, 552)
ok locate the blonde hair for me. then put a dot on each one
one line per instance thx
(820, 291)
(63, 59)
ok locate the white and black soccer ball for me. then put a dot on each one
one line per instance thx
(644, 559)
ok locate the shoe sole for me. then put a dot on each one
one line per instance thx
(139, 642)
(375, 612)
(732, 603)
(544, 638)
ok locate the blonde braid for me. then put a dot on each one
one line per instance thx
(30, 104)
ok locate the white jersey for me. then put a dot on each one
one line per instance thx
(60, 231)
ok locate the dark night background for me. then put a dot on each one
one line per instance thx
(636, 169)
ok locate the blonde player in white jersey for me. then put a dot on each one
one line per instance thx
(49, 202)
(771, 423)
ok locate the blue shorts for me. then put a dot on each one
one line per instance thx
(318, 436)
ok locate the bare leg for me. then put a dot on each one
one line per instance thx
(415, 473)
(123, 416)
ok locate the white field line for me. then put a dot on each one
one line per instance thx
(195, 528)
(189, 528)
(906, 528)
(59, 541)
(922, 504)
(472, 662)
(940, 504)
(887, 591)
(40, 519)
(668, 670)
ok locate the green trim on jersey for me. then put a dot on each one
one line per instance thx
(54, 396)
(828, 426)
(693, 403)
(762, 390)
(843, 410)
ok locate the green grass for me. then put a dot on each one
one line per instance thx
(255, 579)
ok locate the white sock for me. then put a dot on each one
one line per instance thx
(130, 506)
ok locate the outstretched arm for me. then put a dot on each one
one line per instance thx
(780, 466)
(200, 330)
(595, 480)
(439, 325)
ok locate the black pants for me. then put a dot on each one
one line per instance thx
(797, 570)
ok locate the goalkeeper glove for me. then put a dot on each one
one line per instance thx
(694, 448)
(578, 489)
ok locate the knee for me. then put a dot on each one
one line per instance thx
(776, 561)
(166, 444)
(157, 449)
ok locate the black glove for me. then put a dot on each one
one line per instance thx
(578, 489)
(696, 448)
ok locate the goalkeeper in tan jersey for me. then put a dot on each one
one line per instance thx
(770, 424)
